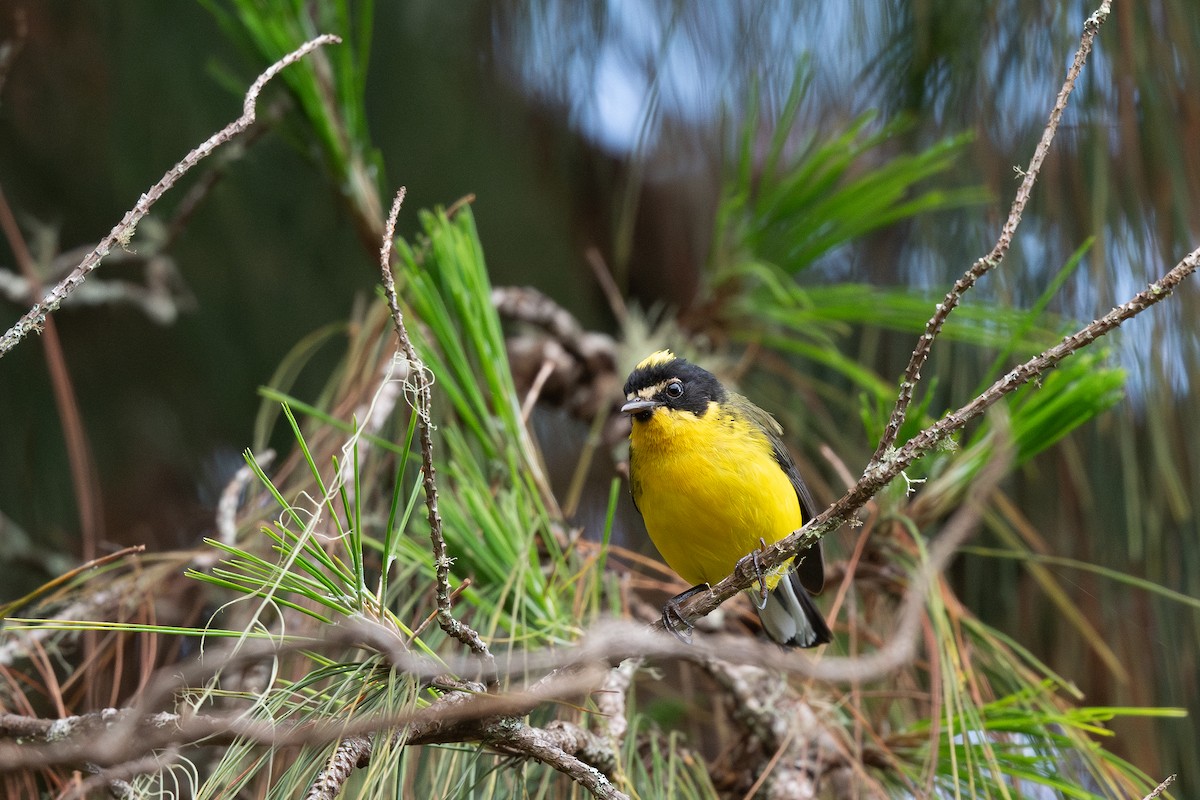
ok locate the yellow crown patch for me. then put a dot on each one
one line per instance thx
(655, 359)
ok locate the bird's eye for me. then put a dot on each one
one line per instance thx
(674, 390)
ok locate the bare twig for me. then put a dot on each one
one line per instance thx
(912, 372)
(880, 473)
(1162, 787)
(417, 373)
(118, 736)
(355, 751)
(120, 235)
(227, 506)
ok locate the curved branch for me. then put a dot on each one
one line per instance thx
(120, 235)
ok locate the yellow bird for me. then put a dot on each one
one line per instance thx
(713, 480)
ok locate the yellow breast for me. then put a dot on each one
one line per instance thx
(708, 488)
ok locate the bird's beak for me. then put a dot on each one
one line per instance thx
(640, 408)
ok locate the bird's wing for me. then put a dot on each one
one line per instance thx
(812, 564)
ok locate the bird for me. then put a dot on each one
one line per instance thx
(714, 482)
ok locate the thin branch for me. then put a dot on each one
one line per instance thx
(912, 372)
(34, 319)
(466, 713)
(1162, 787)
(417, 373)
(879, 473)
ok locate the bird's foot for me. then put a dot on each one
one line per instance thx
(759, 573)
(674, 620)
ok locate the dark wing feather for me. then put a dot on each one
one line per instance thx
(811, 569)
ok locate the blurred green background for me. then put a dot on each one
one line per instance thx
(606, 125)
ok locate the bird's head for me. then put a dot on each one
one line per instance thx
(663, 380)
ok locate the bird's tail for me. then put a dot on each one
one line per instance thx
(790, 617)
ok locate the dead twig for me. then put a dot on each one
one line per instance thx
(35, 318)
(464, 713)
(912, 372)
(888, 463)
(418, 374)
(880, 473)
(1162, 787)
(556, 746)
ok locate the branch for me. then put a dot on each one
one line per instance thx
(912, 373)
(355, 751)
(464, 713)
(880, 472)
(887, 463)
(417, 372)
(546, 746)
(1162, 787)
(121, 234)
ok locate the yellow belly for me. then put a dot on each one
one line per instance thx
(709, 489)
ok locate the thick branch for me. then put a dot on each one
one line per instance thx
(118, 736)
(546, 746)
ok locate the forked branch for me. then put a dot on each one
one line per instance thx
(887, 463)
(912, 373)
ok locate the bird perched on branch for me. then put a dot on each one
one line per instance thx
(714, 482)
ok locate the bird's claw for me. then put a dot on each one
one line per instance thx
(674, 620)
(759, 574)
